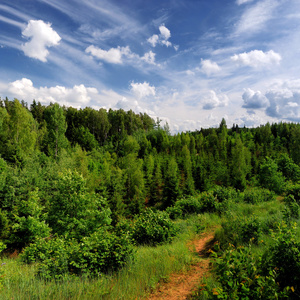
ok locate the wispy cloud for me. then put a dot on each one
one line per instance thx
(255, 17)
(11, 22)
(240, 2)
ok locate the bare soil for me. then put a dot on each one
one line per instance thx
(180, 286)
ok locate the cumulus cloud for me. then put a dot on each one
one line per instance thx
(153, 40)
(113, 55)
(162, 38)
(41, 37)
(212, 100)
(78, 96)
(257, 58)
(209, 67)
(164, 32)
(254, 100)
(141, 90)
(149, 57)
(120, 55)
(284, 104)
(282, 100)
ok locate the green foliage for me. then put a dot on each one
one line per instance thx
(100, 252)
(209, 203)
(29, 221)
(288, 168)
(294, 190)
(239, 276)
(240, 230)
(257, 195)
(292, 207)
(284, 256)
(270, 177)
(153, 228)
(56, 128)
(184, 207)
(74, 212)
(19, 132)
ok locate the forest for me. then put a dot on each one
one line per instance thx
(86, 195)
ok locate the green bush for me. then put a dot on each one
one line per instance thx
(103, 251)
(100, 252)
(240, 277)
(74, 212)
(257, 195)
(209, 203)
(294, 190)
(224, 194)
(240, 230)
(284, 256)
(153, 228)
(270, 177)
(187, 206)
(292, 208)
(174, 212)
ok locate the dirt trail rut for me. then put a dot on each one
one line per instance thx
(179, 286)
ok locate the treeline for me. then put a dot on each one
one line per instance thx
(128, 160)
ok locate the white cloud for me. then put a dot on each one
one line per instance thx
(164, 32)
(41, 37)
(141, 90)
(78, 96)
(284, 104)
(240, 2)
(209, 67)
(120, 55)
(256, 16)
(254, 100)
(212, 100)
(113, 55)
(149, 57)
(257, 58)
(162, 38)
(153, 40)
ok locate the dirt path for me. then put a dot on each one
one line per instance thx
(179, 286)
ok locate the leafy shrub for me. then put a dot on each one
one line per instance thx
(52, 255)
(257, 195)
(270, 177)
(284, 256)
(292, 207)
(240, 277)
(289, 169)
(153, 228)
(240, 230)
(29, 221)
(186, 206)
(100, 252)
(294, 190)
(224, 194)
(209, 203)
(74, 212)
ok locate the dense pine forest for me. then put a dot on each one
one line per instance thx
(82, 189)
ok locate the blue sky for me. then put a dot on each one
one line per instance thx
(190, 63)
